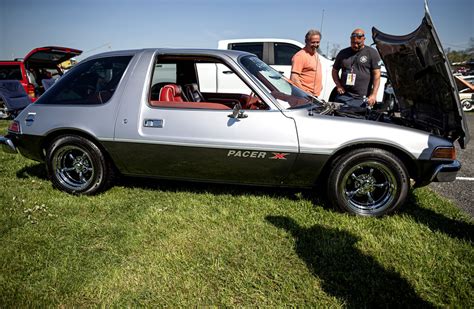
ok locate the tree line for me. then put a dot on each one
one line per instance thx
(456, 56)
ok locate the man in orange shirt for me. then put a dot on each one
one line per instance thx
(306, 67)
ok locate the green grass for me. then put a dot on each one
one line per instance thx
(151, 243)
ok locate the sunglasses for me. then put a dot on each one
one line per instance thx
(357, 35)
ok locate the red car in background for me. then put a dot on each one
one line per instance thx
(40, 63)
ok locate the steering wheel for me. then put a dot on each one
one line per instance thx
(254, 102)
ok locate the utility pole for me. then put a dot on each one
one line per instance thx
(322, 20)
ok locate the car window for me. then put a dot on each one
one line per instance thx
(219, 78)
(288, 95)
(92, 82)
(165, 72)
(10, 72)
(254, 48)
(197, 82)
(284, 52)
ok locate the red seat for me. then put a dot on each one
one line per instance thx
(171, 93)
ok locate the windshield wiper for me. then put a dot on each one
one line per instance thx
(321, 107)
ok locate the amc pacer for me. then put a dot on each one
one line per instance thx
(141, 113)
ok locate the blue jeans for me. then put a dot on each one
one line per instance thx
(349, 100)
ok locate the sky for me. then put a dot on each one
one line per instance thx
(96, 26)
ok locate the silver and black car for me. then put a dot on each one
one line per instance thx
(162, 113)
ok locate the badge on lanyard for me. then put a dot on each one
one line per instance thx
(351, 79)
(351, 76)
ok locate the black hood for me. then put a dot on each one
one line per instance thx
(421, 77)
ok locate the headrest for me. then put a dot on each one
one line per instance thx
(193, 87)
(177, 91)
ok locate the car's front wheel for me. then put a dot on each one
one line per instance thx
(368, 182)
(76, 165)
(4, 114)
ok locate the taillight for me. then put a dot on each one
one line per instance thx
(30, 89)
(14, 127)
(445, 153)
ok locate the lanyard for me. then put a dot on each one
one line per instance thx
(316, 57)
(354, 60)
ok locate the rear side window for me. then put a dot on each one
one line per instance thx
(254, 48)
(92, 82)
(8, 72)
(284, 53)
(164, 73)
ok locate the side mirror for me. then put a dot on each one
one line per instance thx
(237, 112)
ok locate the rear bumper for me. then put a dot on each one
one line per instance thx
(7, 145)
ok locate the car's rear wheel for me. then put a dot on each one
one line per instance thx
(76, 165)
(368, 182)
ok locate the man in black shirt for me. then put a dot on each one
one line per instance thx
(360, 76)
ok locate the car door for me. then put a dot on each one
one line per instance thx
(205, 143)
(209, 145)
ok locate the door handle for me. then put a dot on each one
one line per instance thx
(154, 123)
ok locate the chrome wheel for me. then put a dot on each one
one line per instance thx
(368, 182)
(76, 165)
(3, 110)
(73, 167)
(368, 187)
(467, 105)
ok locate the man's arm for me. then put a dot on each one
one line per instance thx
(337, 81)
(296, 69)
(295, 78)
(372, 99)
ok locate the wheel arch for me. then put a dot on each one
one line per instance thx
(51, 136)
(406, 158)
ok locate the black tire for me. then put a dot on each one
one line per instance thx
(368, 182)
(77, 166)
(4, 114)
(467, 105)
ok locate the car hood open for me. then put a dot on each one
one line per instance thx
(50, 56)
(422, 81)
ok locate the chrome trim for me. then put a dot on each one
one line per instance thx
(7, 145)
(214, 145)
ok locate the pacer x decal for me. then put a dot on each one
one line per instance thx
(256, 154)
(279, 156)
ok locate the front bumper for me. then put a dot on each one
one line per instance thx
(432, 171)
(7, 145)
(446, 172)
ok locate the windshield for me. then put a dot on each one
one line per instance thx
(288, 95)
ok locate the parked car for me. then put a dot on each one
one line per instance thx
(467, 101)
(278, 53)
(40, 63)
(13, 98)
(462, 70)
(468, 78)
(142, 113)
(466, 93)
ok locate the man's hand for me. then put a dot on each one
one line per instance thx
(371, 100)
(335, 78)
